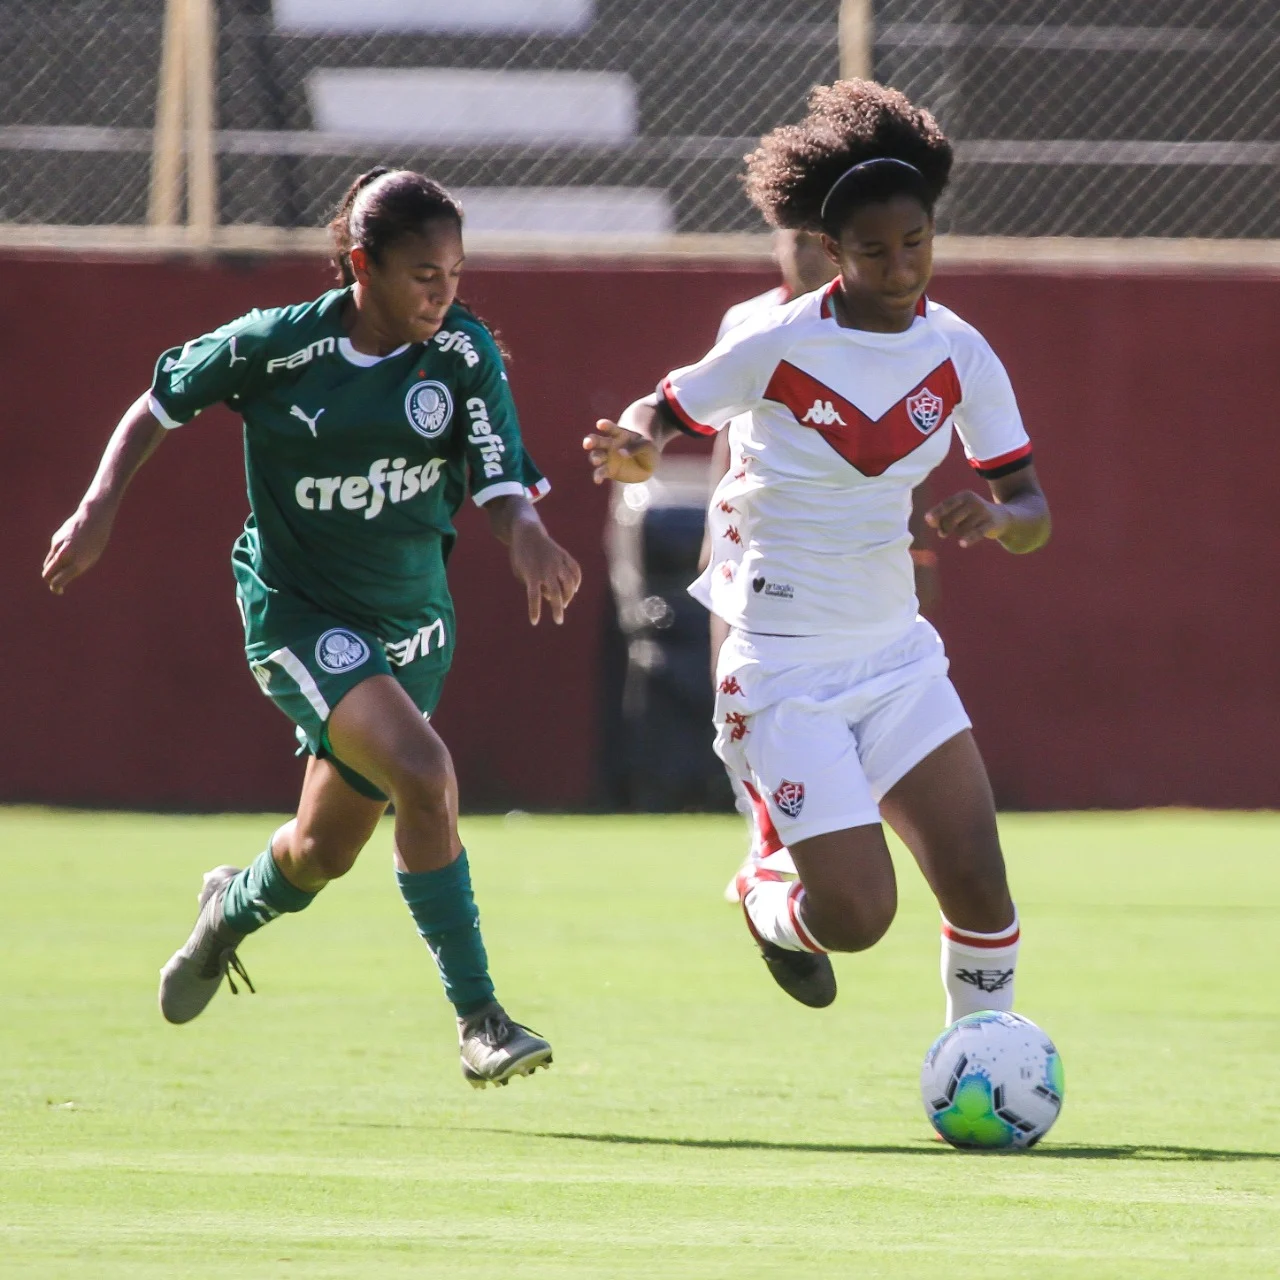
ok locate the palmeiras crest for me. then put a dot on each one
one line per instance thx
(339, 650)
(789, 797)
(428, 406)
(925, 410)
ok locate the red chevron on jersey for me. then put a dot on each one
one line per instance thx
(872, 445)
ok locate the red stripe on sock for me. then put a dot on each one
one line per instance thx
(794, 894)
(979, 940)
(770, 840)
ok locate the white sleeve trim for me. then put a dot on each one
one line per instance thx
(539, 490)
(159, 414)
(499, 490)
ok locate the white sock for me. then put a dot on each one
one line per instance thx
(773, 910)
(977, 969)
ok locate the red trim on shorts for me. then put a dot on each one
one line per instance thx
(985, 942)
(1014, 455)
(669, 395)
(794, 894)
(770, 840)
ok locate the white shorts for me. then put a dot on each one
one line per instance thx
(821, 739)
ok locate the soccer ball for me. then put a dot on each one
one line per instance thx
(993, 1082)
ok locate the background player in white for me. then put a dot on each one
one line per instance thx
(833, 704)
(804, 266)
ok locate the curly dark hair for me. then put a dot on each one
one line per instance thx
(790, 173)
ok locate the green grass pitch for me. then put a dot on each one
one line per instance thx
(696, 1123)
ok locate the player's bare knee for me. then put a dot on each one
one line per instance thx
(850, 921)
(422, 785)
(325, 857)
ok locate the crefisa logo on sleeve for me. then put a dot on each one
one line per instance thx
(428, 406)
(339, 650)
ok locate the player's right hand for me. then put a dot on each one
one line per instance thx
(76, 547)
(619, 454)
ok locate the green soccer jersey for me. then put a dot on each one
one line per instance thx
(356, 464)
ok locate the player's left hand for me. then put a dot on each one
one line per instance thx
(968, 518)
(547, 570)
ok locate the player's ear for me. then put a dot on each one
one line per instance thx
(830, 247)
(360, 264)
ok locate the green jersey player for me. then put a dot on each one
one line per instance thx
(369, 413)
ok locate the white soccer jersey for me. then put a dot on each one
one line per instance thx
(830, 431)
(748, 309)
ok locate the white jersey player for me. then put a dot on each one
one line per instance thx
(833, 703)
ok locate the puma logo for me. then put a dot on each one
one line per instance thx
(296, 412)
(234, 357)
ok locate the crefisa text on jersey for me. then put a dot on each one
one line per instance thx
(490, 446)
(387, 481)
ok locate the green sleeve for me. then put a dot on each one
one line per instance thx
(217, 367)
(497, 461)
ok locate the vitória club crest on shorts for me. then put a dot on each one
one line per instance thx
(428, 406)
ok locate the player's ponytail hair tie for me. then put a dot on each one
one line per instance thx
(876, 179)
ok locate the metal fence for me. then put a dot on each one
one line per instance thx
(612, 117)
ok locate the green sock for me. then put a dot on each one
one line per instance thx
(259, 894)
(444, 910)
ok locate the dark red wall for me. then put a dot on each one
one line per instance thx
(1130, 663)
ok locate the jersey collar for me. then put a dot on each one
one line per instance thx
(353, 356)
(828, 303)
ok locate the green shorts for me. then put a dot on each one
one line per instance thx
(307, 661)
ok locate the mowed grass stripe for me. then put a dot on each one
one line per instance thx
(696, 1122)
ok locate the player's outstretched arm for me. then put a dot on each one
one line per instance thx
(627, 450)
(79, 542)
(547, 570)
(1017, 518)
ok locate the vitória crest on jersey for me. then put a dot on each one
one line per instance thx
(339, 650)
(428, 406)
(925, 410)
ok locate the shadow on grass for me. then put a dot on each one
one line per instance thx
(923, 1148)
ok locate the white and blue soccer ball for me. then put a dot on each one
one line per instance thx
(992, 1082)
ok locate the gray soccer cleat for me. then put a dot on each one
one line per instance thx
(194, 974)
(494, 1048)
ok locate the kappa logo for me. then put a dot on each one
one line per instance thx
(925, 410)
(789, 798)
(453, 340)
(823, 414)
(236, 359)
(429, 407)
(736, 723)
(320, 347)
(482, 435)
(986, 979)
(340, 650)
(296, 412)
(402, 652)
(730, 685)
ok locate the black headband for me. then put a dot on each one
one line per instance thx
(878, 164)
